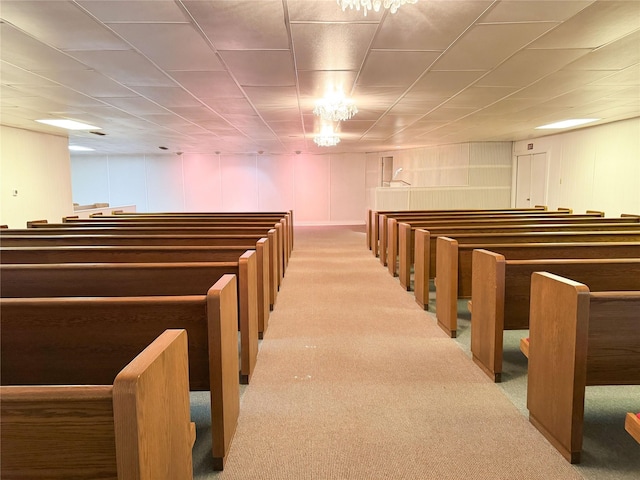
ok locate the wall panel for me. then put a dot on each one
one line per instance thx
(312, 176)
(275, 183)
(202, 192)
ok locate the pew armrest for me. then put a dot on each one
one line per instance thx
(142, 423)
(632, 425)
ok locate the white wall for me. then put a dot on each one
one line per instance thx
(466, 175)
(37, 166)
(595, 168)
(320, 189)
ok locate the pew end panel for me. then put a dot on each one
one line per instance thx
(120, 430)
(222, 312)
(447, 285)
(405, 257)
(262, 266)
(155, 438)
(421, 270)
(392, 246)
(632, 425)
(557, 360)
(576, 338)
(248, 302)
(487, 318)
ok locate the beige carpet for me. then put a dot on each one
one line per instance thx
(355, 381)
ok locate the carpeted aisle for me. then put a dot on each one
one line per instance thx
(355, 381)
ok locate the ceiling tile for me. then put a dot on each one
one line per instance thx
(616, 55)
(326, 46)
(260, 67)
(484, 47)
(327, 11)
(559, 83)
(272, 96)
(169, 96)
(208, 85)
(61, 25)
(127, 67)
(164, 44)
(385, 68)
(441, 85)
(534, 11)
(529, 65)
(428, 25)
(598, 24)
(478, 97)
(26, 52)
(134, 11)
(250, 24)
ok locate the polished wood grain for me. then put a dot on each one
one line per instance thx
(135, 428)
(142, 279)
(454, 265)
(407, 235)
(45, 339)
(501, 295)
(632, 425)
(576, 338)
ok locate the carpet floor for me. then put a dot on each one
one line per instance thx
(355, 381)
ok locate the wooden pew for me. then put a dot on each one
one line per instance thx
(151, 254)
(632, 425)
(407, 236)
(143, 279)
(577, 338)
(174, 227)
(44, 340)
(389, 242)
(500, 295)
(16, 238)
(454, 266)
(527, 237)
(280, 223)
(287, 216)
(373, 219)
(136, 426)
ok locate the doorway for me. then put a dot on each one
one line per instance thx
(531, 180)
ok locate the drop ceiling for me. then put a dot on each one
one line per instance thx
(242, 76)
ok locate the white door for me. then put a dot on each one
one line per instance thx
(531, 180)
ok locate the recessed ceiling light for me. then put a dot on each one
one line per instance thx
(568, 123)
(78, 148)
(68, 124)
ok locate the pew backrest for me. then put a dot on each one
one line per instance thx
(117, 429)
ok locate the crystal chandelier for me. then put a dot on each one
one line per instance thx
(334, 107)
(327, 137)
(367, 5)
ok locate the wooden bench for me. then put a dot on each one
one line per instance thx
(501, 288)
(410, 234)
(45, 340)
(454, 266)
(577, 338)
(632, 425)
(151, 254)
(136, 426)
(268, 261)
(277, 239)
(445, 263)
(286, 216)
(373, 219)
(143, 279)
(282, 224)
(389, 230)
